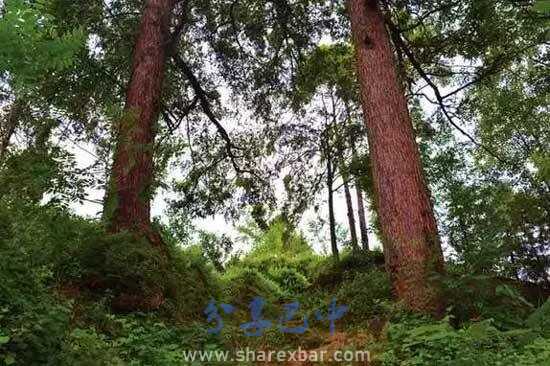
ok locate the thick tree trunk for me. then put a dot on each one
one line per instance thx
(411, 243)
(351, 217)
(331, 219)
(127, 206)
(362, 219)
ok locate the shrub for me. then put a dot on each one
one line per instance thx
(277, 248)
(304, 263)
(133, 273)
(540, 319)
(365, 294)
(535, 354)
(191, 283)
(147, 341)
(87, 347)
(483, 297)
(122, 263)
(33, 323)
(283, 259)
(330, 274)
(289, 279)
(36, 240)
(37, 336)
(133, 340)
(360, 261)
(280, 238)
(478, 344)
(242, 284)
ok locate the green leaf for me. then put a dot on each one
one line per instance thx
(4, 340)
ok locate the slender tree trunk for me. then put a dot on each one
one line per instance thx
(351, 217)
(127, 206)
(8, 126)
(362, 219)
(331, 219)
(411, 242)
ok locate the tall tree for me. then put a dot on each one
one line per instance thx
(351, 216)
(411, 243)
(127, 207)
(362, 219)
(341, 139)
(331, 217)
(326, 84)
(361, 213)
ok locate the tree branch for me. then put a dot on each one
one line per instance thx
(204, 101)
(396, 36)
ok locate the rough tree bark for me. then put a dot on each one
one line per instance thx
(411, 242)
(351, 217)
(362, 219)
(127, 205)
